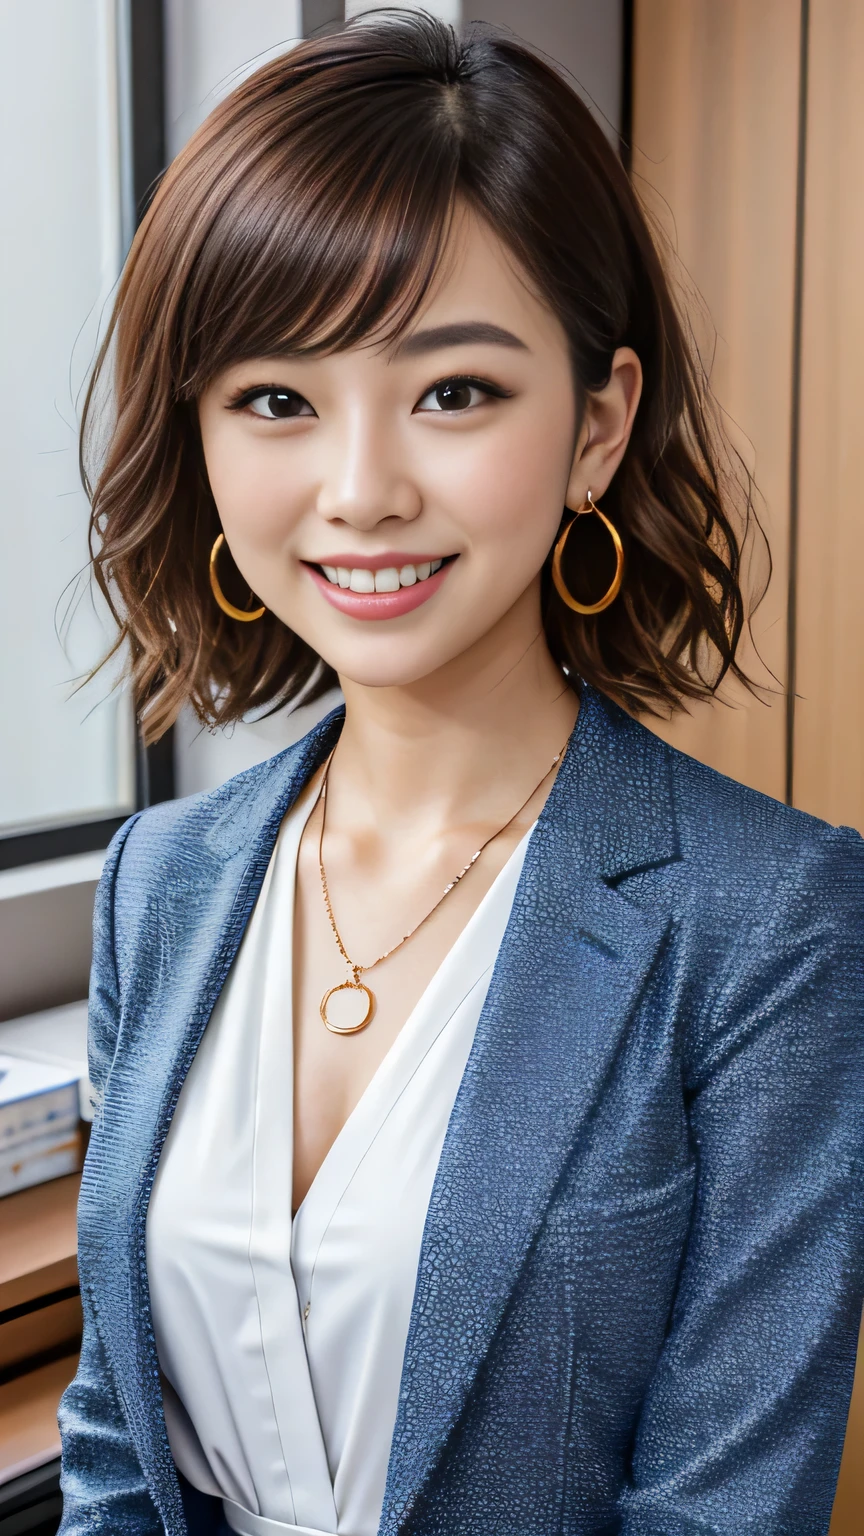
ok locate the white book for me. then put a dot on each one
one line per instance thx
(57, 1036)
(36, 1100)
(32, 1162)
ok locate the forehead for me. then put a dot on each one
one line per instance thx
(478, 279)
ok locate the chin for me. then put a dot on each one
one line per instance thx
(394, 660)
(394, 671)
(401, 652)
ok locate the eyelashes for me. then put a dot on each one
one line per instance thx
(455, 394)
(279, 404)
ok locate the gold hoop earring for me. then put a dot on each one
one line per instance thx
(245, 615)
(557, 576)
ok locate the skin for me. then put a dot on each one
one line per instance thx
(456, 709)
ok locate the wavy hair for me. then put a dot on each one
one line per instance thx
(308, 213)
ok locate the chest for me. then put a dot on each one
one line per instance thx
(333, 1070)
(303, 1320)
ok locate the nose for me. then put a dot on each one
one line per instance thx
(365, 479)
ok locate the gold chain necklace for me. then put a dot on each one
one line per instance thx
(357, 970)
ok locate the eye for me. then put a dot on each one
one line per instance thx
(458, 394)
(274, 404)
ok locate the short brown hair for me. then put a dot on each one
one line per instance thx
(307, 214)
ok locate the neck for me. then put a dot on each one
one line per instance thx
(462, 739)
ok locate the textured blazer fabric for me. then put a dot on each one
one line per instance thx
(641, 1276)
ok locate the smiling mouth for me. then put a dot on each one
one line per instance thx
(365, 580)
(379, 588)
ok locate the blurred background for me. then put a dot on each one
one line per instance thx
(742, 124)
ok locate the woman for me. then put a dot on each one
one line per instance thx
(532, 1206)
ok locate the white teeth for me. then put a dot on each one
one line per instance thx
(387, 579)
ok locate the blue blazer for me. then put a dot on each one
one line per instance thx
(641, 1276)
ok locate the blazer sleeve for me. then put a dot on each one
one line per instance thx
(103, 1486)
(742, 1427)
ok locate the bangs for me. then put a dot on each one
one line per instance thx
(312, 212)
(331, 237)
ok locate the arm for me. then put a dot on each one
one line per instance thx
(743, 1425)
(103, 1486)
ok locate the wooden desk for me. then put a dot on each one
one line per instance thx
(38, 1240)
(28, 1417)
(37, 1259)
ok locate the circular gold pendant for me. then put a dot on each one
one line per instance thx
(350, 1013)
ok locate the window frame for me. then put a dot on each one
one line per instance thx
(142, 39)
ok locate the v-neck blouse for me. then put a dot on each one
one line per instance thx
(281, 1343)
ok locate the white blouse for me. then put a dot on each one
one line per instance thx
(281, 1343)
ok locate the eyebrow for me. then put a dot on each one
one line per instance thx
(456, 335)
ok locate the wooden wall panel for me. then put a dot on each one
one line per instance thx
(715, 117)
(716, 109)
(828, 767)
(828, 777)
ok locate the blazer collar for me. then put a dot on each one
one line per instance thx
(569, 970)
(615, 793)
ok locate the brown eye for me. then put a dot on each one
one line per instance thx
(280, 405)
(455, 395)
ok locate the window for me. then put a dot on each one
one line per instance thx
(68, 179)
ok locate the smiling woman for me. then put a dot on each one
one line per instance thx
(311, 217)
(481, 1081)
(408, 463)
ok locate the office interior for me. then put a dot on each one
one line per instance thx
(743, 127)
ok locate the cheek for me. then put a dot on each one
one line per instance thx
(512, 488)
(255, 498)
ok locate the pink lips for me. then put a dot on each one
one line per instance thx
(378, 605)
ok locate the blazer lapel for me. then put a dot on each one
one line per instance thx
(188, 932)
(569, 973)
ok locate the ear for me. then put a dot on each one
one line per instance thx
(605, 431)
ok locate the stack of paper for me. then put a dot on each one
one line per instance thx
(39, 1133)
(58, 1037)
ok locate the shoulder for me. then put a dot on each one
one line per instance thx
(771, 934)
(228, 813)
(723, 828)
(774, 908)
(755, 890)
(766, 912)
(770, 916)
(756, 849)
(181, 843)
